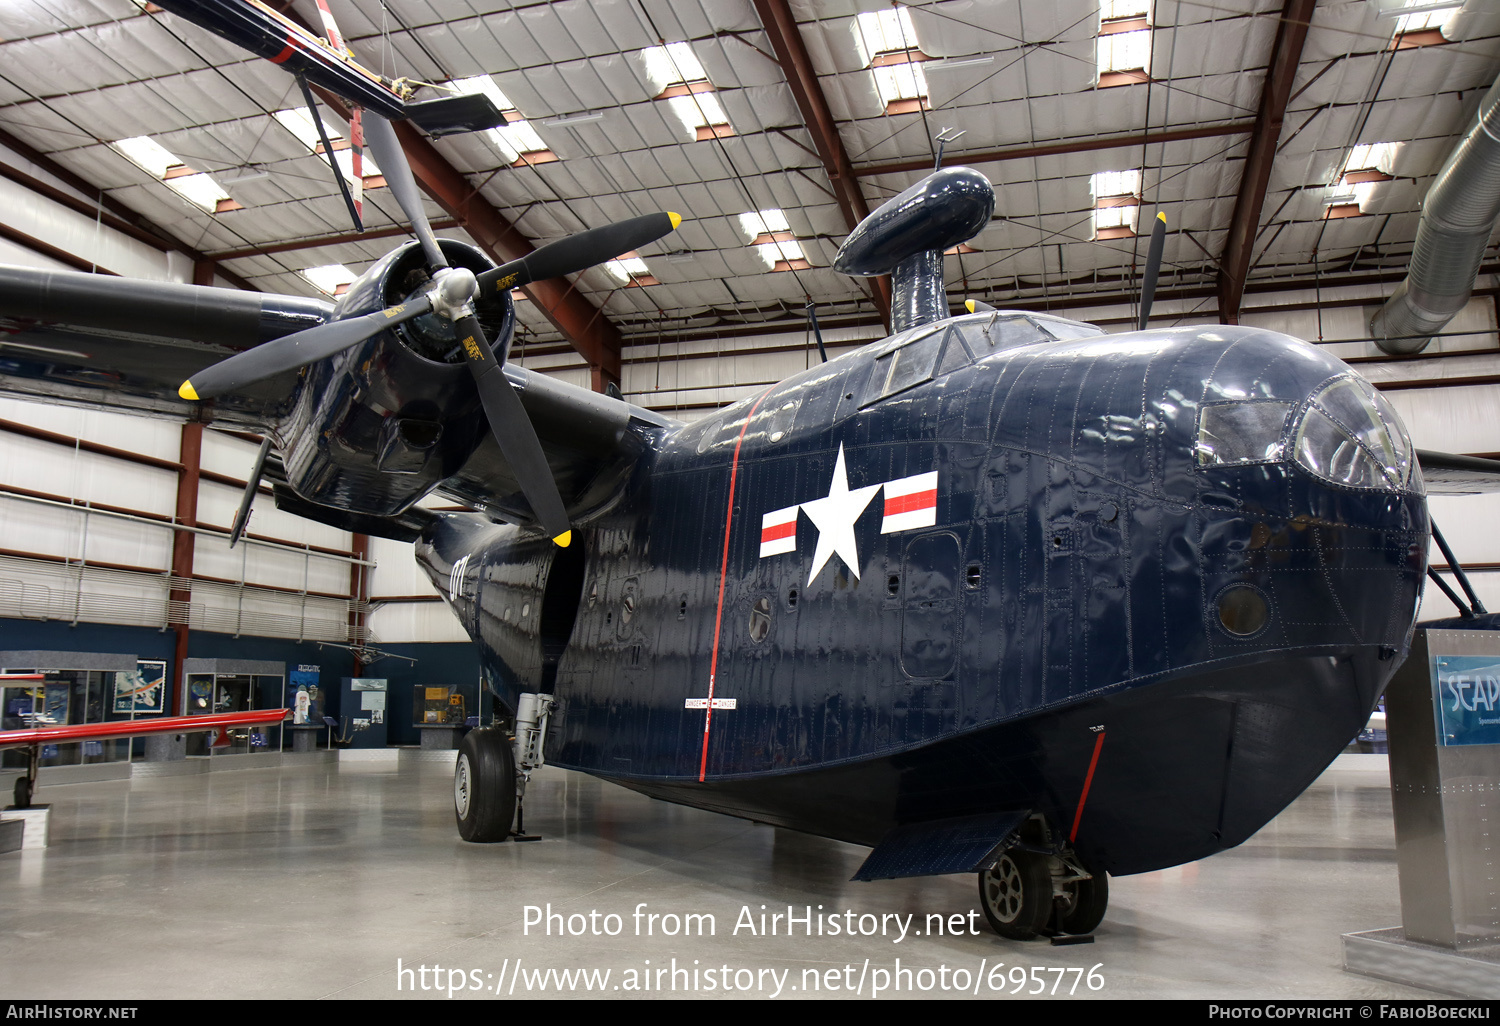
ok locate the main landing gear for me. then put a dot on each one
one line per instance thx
(1039, 887)
(490, 776)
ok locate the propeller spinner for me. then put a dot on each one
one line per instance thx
(451, 294)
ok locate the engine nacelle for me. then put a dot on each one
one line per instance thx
(378, 426)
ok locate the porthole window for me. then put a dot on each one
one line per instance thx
(760, 619)
(627, 610)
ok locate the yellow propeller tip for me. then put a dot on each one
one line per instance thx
(186, 391)
(675, 218)
(563, 540)
(969, 305)
(1162, 217)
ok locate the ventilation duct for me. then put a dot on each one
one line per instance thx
(1458, 215)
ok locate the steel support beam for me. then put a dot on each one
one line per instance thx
(791, 53)
(190, 456)
(319, 241)
(1098, 142)
(1244, 226)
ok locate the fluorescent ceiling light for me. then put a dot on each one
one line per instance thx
(573, 119)
(958, 62)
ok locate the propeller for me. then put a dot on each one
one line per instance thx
(1153, 267)
(450, 294)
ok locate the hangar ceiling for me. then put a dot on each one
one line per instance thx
(1249, 123)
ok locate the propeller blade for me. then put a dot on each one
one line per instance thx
(1153, 267)
(387, 151)
(512, 428)
(580, 251)
(295, 350)
(977, 306)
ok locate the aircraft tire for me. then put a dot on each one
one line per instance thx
(22, 793)
(484, 786)
(1081, 909)
(1016, 894)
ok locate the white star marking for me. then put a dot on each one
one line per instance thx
(834, 518)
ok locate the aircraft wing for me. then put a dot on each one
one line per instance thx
(138, 728)
(94, 339)
(1446, 473)
(100, 341)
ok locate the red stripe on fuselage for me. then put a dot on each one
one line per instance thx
(1087, 780)
(713, 662)
(906, 503)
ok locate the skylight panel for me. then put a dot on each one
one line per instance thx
(1369, 162)
(698, 111)
(148, 155)
(626, 268)
(1124, 51)
(887, 45)
(675, 62)
(300, 123)
(516, 139)
(900, 82)
(1427, 16)
(887, 31)
(1116, 183)
(1116, 222)
(159, 162)
(788, 252)
(757, 223)
(1112, 10)
(333, 279)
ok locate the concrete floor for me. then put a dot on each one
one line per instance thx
(312, 881)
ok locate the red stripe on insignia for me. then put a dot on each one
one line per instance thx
(777, 531)
(906, 503)
(291, 48)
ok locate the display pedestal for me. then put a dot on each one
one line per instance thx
(1387, 954)
(38, 821)
(440, 737)
(305, 736)
(1445, 772)
(166, 747)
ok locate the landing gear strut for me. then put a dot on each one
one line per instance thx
(26, 785)
(1039, 887)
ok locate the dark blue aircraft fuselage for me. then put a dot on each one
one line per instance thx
(976, 568)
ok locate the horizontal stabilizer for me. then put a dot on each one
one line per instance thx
(966, 844)
(1446, 473)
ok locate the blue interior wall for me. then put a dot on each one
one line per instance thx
(449, 664)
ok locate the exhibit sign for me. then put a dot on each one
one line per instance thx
(142, 691)
(303, 695)
(1466, 695)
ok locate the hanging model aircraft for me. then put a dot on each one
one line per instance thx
(998, 594)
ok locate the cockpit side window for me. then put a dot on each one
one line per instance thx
(1003, 331)
(899, 369)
